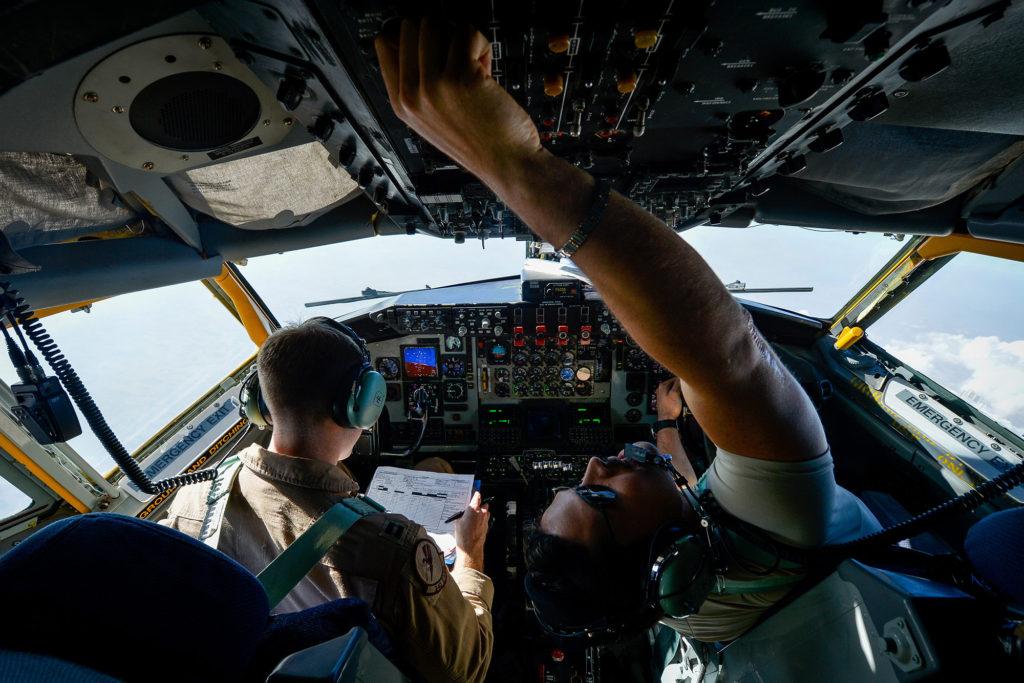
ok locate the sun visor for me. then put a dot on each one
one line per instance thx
(48, 198)
(279, 189)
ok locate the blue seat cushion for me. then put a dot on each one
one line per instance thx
(292, 632)
(995, 546)
(131, 599)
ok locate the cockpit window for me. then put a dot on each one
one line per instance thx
(395, 263)
(12, 499)
(145, 357)
(962, 328)
(834, 264)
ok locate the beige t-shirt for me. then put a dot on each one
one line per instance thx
(799, 503)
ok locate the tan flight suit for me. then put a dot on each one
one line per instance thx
(441, 628)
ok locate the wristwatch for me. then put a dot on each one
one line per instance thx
(663, 424)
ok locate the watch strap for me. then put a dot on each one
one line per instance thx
(663, 424)
(594, 214)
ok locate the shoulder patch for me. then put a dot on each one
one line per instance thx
(429, 566)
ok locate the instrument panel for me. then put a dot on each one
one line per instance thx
(513, 377)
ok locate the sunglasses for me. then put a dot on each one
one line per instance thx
(596, 496)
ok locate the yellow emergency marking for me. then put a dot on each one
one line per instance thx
(251, 320)
(230, 434)
(947, 460)
(41, 474)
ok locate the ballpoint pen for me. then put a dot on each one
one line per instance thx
(462, 512)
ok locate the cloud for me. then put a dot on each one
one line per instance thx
(985, 371)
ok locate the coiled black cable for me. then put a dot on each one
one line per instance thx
(966, 502)
(80, 395)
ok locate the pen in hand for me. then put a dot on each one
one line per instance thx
(462, 512)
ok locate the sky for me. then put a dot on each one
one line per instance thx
(146, 356)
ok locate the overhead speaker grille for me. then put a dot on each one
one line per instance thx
(177, 102)
(195, 111)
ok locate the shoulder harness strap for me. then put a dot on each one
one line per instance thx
(288, 568)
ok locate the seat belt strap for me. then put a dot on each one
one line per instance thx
(291, 566)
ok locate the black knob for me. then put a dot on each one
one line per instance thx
(290, 92)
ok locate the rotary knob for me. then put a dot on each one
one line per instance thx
(498, 329)
(485, 324)
(462, 330)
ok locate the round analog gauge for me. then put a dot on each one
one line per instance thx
(536, 389)
(567, 389)
(566, 375)
(520, 389)
(455, 367)
(519, 358)
(568, 358)
(535, 374)
(552, 358)
(634, 398)
(497, 354)
(551, 389)
(453, 343)
(584, 388)
(633, 415)
(553, 373)
(455, 391)
(583, 374)
(519, 374)
(536, 359)
(501, 375)
(501, 389)
(635, 359)
(388, 367)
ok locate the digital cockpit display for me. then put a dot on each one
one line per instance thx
(420, 361)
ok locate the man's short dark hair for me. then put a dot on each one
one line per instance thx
(301, 368)
(588, 585)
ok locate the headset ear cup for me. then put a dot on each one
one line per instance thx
(253, 408)
(360, 407)
(686, 578)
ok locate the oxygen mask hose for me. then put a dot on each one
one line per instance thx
(80, 395)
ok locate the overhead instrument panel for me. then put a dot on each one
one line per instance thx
(692, 109)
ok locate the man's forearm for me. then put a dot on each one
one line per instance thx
(673, 305)
(670, 442)
(464, 560)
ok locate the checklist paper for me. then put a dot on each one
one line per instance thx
(427, 498)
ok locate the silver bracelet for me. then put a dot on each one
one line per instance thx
(590, 221)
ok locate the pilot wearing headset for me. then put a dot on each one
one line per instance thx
(628, 526)
(316, 386)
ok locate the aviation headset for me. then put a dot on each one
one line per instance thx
(685, 566)
(357, 403)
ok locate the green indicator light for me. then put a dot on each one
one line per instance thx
(581, 410)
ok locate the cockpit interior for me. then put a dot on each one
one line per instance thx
(144, 145)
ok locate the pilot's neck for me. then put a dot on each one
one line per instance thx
(328, 445)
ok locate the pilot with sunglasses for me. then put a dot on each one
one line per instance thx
(601, 550)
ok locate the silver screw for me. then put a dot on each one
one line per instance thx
(148, 166)
(118, 109)
(901, 93)
(205, 43)
(91, 97)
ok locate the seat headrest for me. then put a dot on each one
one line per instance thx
(132, 599)
(995, 547)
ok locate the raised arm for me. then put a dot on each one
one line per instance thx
(661, 290)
